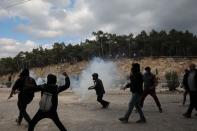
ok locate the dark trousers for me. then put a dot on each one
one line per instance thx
(153, 94)
(185, 96)
(100, 100)
(22, 105)
(193, 102)
(41, 115)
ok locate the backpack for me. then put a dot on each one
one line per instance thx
(46, 102)
(29, 84)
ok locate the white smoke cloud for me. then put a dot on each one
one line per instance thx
(107, 71)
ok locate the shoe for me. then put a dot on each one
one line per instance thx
(141, 121)
(18, 122)
(160, 110)
(123, 120)
(106, 106)
(187, 115)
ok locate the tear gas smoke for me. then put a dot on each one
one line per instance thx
(107, 71)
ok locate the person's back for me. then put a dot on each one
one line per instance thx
(25, 85)
(136, 80)
(149, 81)
(192, 80)
(49, 101)
(50, 89)
(192, 83)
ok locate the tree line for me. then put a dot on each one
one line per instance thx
(106, 45)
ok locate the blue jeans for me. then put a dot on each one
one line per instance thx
(135, 102)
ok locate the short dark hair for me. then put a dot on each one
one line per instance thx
(147, 68)
(51, 79)
(95, 75)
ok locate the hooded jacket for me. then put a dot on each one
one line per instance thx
(54, 90)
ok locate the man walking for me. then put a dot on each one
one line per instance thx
(25, 85)
(192, 83)
(135, 85)
(150, 83)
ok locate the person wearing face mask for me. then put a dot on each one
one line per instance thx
(100, 91)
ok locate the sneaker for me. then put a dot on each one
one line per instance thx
(106, 106)
(141, 121)
(187, 115)
(123, 120)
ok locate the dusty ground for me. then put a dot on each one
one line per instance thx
(87, 115)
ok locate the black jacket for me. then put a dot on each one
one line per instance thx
(185, 81)
(98, 86)
(20, 85)
(54, 90)
(136, 83)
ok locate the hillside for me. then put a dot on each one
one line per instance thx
(162, 65)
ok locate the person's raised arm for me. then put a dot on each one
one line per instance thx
(67, 83)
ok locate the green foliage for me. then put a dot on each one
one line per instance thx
(172, 80)
(106, 45)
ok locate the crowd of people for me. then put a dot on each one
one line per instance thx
(140, 85)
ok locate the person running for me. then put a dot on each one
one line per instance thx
(150, 82)
(25, 85)
(192, 83)
(100, 91)
(49, 101)
(136, 87)
(185, 85)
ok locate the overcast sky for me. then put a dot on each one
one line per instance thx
(43, 22)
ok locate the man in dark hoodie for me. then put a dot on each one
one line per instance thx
(135, 85)
(25, 85)
(52, 89)
(100, 91)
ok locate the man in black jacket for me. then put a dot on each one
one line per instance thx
(135, 85)
(25, 85)
(54, 90)
(192, 84)
(100, 91)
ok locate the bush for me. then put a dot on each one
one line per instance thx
(172, 80)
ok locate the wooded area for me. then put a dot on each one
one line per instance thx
(106, 45)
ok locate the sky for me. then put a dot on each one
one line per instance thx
(28, 24)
